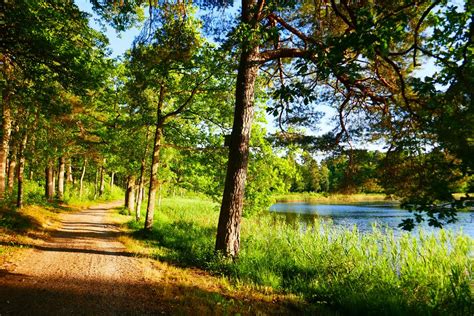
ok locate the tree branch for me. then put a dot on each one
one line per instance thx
(273, 54)
(187, 101)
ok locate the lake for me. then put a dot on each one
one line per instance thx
(363, 215)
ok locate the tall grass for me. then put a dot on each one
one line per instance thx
(359, 273)
(312, 197)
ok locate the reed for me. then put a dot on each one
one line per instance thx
(354, 272)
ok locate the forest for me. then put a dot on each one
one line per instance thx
(219, 109)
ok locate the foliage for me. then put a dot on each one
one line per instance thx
(437, 172)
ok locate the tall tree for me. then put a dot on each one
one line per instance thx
(173, 67)
(346, 47)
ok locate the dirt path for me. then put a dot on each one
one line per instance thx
(82, 270)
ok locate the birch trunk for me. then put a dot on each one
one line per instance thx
(112, 176)
(83, 173)
(102, 181)
(69, 178)
(61, 173)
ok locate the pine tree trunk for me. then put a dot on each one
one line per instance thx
(46, 186)
(11, 171)
(155, 162)
(96, 183)
(130, 194)
(102, 180)
(12, 159)
(140, 190)
(55, 173)
(4, 144)
(61, 173)
(126, 194)
(154, 181)
(49, 182)
(83, 173)
(141, 182)
(228, 230)
(21, 169)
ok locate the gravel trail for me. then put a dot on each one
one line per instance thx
(82, 270)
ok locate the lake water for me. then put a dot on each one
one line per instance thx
(363, 215)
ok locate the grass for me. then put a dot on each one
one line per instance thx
(195, 291)
(354, 272)
(312, 197)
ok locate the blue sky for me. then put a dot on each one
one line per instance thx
(119, 42)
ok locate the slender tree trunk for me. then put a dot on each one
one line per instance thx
(228, 230)
(81, 181)
(11, 171)
(55, 173)
(140, 191)
(102, 180)
(69, 178)
(12, 159)
(61, 173)
(96, 183)
(154, 181)
(46, 184)
(21, 169)
(5, 141)
(50, 181)
(141, 182)
(155, 162)
(127, 196)
(112, 176)
(130, 194)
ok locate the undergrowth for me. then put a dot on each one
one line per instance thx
(357, 273)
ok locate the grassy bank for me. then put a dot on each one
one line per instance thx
(351, 271)
(312, 197)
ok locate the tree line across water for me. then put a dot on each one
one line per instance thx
(181, 111)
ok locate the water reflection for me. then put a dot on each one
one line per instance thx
(363, 215)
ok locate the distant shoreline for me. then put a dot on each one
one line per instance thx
(333, 198)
